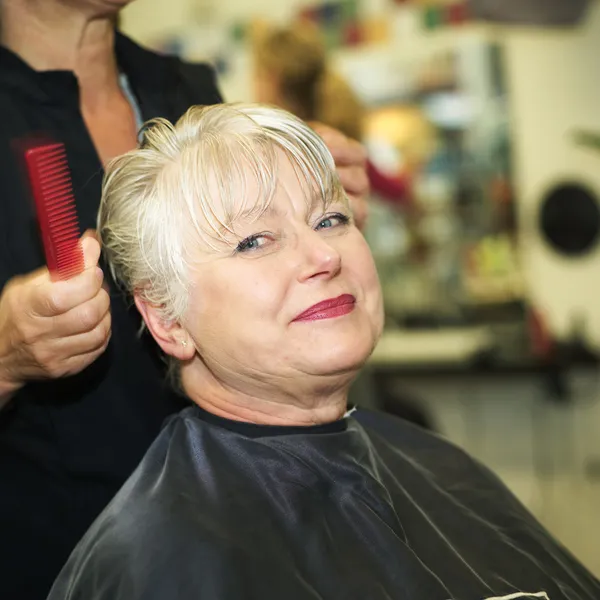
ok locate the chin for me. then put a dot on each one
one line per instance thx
(339, 346)
(347, 355)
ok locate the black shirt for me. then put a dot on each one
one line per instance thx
(369, 508)
(67, 446)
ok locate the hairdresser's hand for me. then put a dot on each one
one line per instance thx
(53, 329)
(350, 159)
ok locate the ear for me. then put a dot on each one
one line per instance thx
(169, 335)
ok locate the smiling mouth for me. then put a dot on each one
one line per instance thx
(329, 309)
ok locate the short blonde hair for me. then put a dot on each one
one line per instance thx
(160, 199)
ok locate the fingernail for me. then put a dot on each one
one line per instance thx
(99, 274)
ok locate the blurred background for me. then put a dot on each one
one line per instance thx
(481, 120)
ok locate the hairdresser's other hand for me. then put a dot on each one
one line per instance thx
(52, 329)
(350, 159)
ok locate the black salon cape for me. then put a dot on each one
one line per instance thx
(370, 508)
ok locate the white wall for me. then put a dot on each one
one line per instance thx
(146, 19)
(554, 81)
(204, 23)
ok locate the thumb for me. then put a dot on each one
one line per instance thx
(91, 249)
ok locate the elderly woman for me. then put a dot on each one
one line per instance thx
(234, 236)
(81, 396)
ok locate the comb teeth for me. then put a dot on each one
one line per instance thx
(55, 204)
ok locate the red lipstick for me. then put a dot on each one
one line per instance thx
(328, 309)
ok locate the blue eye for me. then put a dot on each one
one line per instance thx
(253, 242)
(332, 221)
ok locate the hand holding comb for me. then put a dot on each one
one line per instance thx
(50, 181)
(55, 329)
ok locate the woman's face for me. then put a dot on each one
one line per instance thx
(298, 297)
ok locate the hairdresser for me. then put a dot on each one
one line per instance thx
(82, 395)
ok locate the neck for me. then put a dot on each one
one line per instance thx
(268, 407)
(49, 35)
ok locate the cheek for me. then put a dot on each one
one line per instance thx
(236, 304)
(357, 258)
(254, 289)
(359, 262)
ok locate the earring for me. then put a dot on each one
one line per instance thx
(184, 343)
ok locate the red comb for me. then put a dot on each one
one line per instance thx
(50, 180)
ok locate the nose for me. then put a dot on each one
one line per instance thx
(318, 259)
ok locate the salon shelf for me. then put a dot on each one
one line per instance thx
(459, 352)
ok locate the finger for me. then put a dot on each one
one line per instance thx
(90, 233)
(354, 180)
(82, 318)
(91, 249)
(84, 343)
(345, 150)
(348, 153)
(326, 132)
(76, 364)
(51, 298)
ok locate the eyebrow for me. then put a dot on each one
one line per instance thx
(272, 210)
(269, 210)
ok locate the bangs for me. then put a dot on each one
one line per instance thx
(226, 175)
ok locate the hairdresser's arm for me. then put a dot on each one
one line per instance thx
(52, 329)
(351, 162)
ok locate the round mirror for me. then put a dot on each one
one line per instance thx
(570, 219)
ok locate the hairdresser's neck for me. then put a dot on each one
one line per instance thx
(269, 407)
(51, 36)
